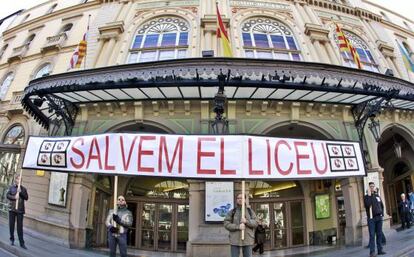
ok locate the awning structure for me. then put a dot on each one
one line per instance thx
(56, 98)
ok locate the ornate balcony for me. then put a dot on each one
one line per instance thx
(54, 42)
(18, 53)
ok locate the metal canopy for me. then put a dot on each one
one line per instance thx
(56, 97)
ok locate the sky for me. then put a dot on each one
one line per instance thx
(404, 7)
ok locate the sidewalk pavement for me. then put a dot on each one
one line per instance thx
(399, 244)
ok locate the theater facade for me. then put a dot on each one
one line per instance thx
(157, 67)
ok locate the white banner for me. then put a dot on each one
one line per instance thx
(196, 156)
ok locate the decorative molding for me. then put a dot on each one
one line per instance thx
(385, 49)
(111, 30)
(317, 32)
(158, 4)
(255, 4)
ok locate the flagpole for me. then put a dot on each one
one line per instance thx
(18, 188)
(243, 211)
(86, 39)
(115, 198)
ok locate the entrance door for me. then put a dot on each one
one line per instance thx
(285, 223)
(162, 226)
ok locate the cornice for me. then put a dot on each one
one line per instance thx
(42, 19)
(316, 32)
(111, 29)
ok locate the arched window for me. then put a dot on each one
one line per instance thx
(51, 9)
(43, 71)
(66, 28)
(5, 85)
(385, 16)
(267, 38)
(162, 38)
(3, 49)
(409, 51)
(15, 136)
(29, 39)
(368, 62)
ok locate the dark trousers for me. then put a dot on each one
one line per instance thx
(258, 247)
(235, 250)
(405, 220)
(121, 240)
(12, 220)
(375, 230)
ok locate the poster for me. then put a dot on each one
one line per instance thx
(322, 206)
(58, 188)
(371, 177)
(196, 156)
(219, 200)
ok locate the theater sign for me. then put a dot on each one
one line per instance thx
(196, 156)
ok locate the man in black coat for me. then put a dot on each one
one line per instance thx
(375, 213)
(20, 194)
(404, 207)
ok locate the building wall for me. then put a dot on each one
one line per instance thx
(112, 27)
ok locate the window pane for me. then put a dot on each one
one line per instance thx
(247, 39)
(148, 56)
(137, 41)
(296, 57)
(133, 58)
(370, 56)
(362, 55)
(182, 54)
(249, 54)
(151, 40)
(5, 85)
(168, 39)
(264, 55)
(167, 54)
(278, 42)
(183, 41)
(261, 40)
(282, 56)
(14, 136)
(291, 43)
(44, 71)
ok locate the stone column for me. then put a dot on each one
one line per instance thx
(302, 13)
(393, 67)
(311, 15)
(351, 193)
(320, 51)
(98, 53)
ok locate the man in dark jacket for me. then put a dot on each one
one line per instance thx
(260, 237)
(18, 193)
(118, 223)
(375, 213)
(404, 208)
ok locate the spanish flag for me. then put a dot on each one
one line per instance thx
(79, 54)
(346, 46)
(222, 34)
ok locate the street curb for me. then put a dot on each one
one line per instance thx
(16, 250)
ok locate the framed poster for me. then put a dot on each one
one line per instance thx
(58, 188)
(322, 206)
(219, 200)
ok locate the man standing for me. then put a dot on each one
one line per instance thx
(404, 207)
(375, 212)
(18, 193)
(118, 225)
(235, 224)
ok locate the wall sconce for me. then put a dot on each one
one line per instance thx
(397, 148)
(374, 127)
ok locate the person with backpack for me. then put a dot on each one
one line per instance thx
(260, 237)
(235, 224)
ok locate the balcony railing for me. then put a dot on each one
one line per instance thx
(18, 53)
(54, 42)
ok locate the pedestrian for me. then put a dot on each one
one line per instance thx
(411, 200)
(404, 208)
(18, 193)
(375, 213)
(118, 224)
(260, 236)
(235, 224)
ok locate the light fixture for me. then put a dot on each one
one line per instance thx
(54, 126)
(397, 148)
(220, 125)
(374, 127)
(38, 101)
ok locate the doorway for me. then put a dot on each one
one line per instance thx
(160, 225)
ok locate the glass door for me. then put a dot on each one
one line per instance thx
(182, 226)
(279, 225)
(148, 225)
(164, 226)
(263, 212)
(296, 223)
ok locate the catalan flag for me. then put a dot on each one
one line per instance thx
(346, 46)
(223, 35)
(79, 54)
(409, 63)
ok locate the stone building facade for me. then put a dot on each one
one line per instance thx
(144, 72)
